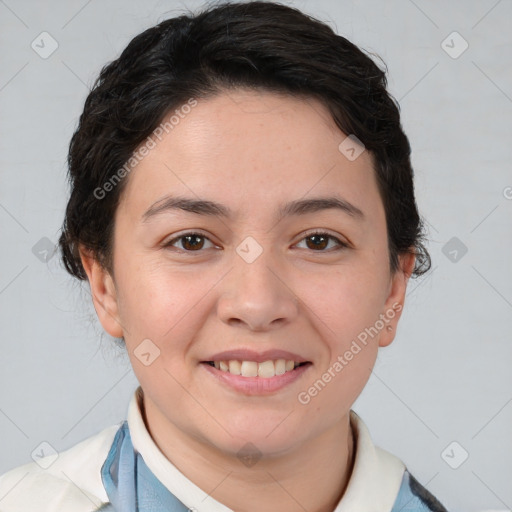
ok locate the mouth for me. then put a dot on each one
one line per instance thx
(265, 370)
(251, 378)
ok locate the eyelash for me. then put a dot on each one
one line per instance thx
(342, 245)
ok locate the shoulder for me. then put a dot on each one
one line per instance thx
(69, 480)
(413, 496)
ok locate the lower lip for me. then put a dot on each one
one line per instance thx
(257, 385)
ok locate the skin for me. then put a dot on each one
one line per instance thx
(251, 151)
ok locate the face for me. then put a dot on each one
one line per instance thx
(251, 275)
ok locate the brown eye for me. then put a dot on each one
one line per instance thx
(190, 242)
(193, 242)
(319, 241)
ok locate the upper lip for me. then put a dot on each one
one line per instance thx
(243, 354)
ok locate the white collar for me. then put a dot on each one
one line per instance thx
(373, 485)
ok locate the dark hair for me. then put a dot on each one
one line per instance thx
(259, 45)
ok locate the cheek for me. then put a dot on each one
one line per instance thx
(165, 306)
(150, 295)
(158, 311)
(345, 310)
(346, 300)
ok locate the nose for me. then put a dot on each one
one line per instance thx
(257, 296)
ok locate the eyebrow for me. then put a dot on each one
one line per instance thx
(211, 208)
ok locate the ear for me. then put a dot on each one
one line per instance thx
(103, 292)
(394, 304)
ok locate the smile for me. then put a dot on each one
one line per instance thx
(266, 369)
(252, 378)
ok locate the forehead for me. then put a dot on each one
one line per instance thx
(245, 149)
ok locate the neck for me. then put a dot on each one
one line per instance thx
(312, 477)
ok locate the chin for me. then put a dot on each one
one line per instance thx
(270, 438)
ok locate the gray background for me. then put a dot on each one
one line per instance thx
(445, 378)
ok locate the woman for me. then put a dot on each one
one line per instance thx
(243, 209)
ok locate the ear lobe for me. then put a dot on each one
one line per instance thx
(103, 293)
(396, 299)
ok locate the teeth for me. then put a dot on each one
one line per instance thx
(235, 367)
(249, 369)
(280, 366)
(266, 370)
